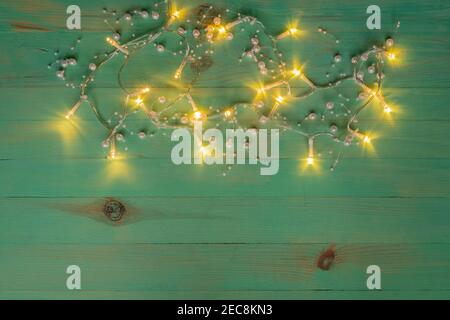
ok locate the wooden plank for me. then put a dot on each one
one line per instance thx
(143, 177)
(426, 104)
(60, 139)
(231, 295)
(226, 220)
(224, 268)
(420, 66)
(425, 62)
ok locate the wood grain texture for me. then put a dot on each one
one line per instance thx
(191, 233)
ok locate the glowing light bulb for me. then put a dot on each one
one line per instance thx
(366, 139)
(112, 148)
(73, 110)
(139, 101)
(197, 115)
(222, 30)
(310, 159)
(203, 150)
(180, 68)
(228, 113)
(175, 14)
(387, 109)
(112, 151)
(290, 32)
(296, 72)
(145, 90)
(391, 56)
(278, 100)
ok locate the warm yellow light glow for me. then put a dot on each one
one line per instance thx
(146, 90)
(391, 56)
(68, 131)
(176, 14)
(112, 149)
(296, 72)
(366, 139)
(279, 99)
(112, 154)
(293, 31)
(197, 115)
(222, 30)
(177, 75)
(139, 100)
(310, 161)
(228, 113)
(387, 109)
(73, 110)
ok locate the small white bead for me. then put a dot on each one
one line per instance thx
(160, 48)
(389, 42)
(259, 104)
(196, 33)
(184, 120)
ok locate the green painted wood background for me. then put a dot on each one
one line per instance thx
(191, 233)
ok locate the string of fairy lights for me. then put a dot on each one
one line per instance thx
(208, 27)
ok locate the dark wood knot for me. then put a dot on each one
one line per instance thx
(114, 210)
(326, 259)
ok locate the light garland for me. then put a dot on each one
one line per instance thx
(208, 29)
